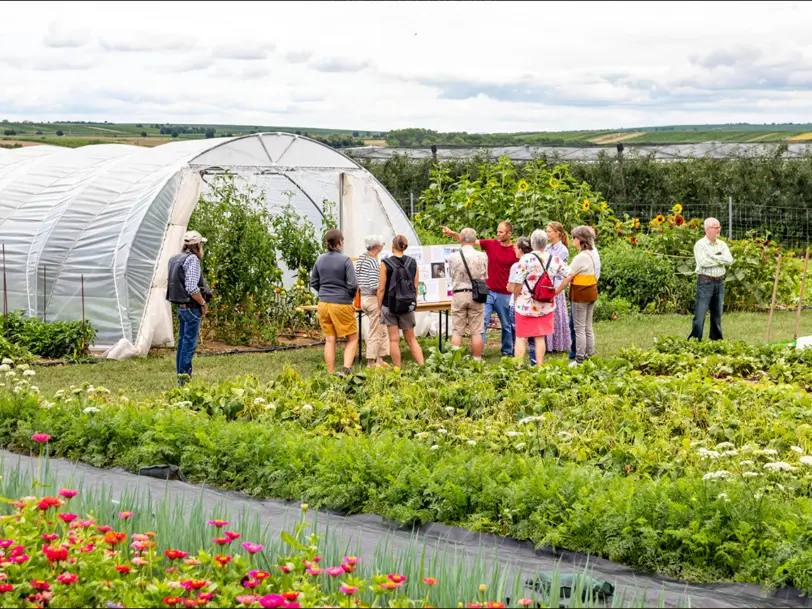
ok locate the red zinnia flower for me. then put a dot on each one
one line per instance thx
(223, 560)
(194, 584)
(113, 538)
(49, 537)
(42, 438)
(6, 588)
(429, 581)
(104, 529)
(41, 585)
(348, 568)
(175, 554)
(260, 575)
(172, 600)
(290, 596)
(221, 541)
(123, 569)
(55, 554)
(231, 535)
(49, 502)
(495, 605)
(67, 493)
(67, 517)
(67, 578)
(219, 523)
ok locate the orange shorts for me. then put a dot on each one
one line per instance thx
(337, 319)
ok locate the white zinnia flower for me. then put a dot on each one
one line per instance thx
(91, 389)
(29, 373)
(91, 409)
(778, 466)
(259, 401)
(46, 405)
(806, 460)
(797, 449)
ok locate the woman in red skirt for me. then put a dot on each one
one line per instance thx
(535, 319)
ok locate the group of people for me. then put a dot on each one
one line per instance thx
(387, 294)
(525, 284)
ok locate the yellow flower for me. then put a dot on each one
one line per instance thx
(677, 209)
(603, 206)
(553, 183)
(491, 184)
(586, 205)
(482, 588)
(468, 202)
(618, 226)
(658, 220)
(636, 223)
(671, 220)
(523, 185)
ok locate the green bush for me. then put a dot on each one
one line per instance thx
(52, 340)
(642, 278)
(613, 308)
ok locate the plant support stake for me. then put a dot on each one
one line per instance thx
(801, 298)
(730, 218)
(44, 292)
(5, 291)
(772, 304)
(84, 338)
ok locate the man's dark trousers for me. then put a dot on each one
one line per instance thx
(710, 294)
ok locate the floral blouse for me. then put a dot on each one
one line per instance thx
(530, 269)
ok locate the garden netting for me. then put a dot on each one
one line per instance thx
(368, 533)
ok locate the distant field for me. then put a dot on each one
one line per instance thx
(613, 138)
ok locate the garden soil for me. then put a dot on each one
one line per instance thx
(367, 532)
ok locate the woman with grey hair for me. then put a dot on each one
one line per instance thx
(583, 292)
(535, 319)
(367, 269)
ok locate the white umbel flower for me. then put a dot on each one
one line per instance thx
(797, 449)
(7, 362)
(778, 466)
(29, 373)
(770, 452)
(259, 401)
(704, 453)
(91, 409)
(806, 460)
(716, 475)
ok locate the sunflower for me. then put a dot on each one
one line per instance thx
(523, 185)
(679, 220)
(677, 209)
(604, 206)
(671, 220)
(553, 183)
(658, 220)
(636, 224)
(585, 206)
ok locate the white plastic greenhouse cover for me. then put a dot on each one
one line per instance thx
(114, 214)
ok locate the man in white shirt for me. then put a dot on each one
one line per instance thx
(467, 316)
(712, 259)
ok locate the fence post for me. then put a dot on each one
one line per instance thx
(730, 218)
(801, 297)
(44, 292)
(5, 292)
(411, 205)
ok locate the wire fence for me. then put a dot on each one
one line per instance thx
(789, 226)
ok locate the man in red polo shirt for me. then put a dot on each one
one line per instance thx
(501, 256)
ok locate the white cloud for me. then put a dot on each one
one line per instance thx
(642, 64)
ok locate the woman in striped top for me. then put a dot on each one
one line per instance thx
(368, 271)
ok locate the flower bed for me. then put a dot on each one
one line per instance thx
(686, 475)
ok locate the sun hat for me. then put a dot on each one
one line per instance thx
(193, 237)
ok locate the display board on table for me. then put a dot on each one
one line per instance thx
(434, 283)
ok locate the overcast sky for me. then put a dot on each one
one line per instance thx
(478, 67)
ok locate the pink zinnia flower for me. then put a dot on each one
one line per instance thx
(524, 602)
(140, 562)
(397, 579)
(272, 601)
(429, 581)
(251, 583)
(88, 548)
(172, 570)
(348, 590)
(291, 606)
(20, 559)
(67, 578)
(41, 585)
(205, 596)
(6, 543)
(104, 529)
(219, 523)
(313, 571)
(260, 575)
(335, 571)
(67, 517)
(247, 599)
(252, 548)
(347, 567)
(317, 559)
(350, 560)
(49, 537)
(67, 493)
(42, 438)
(283, 568)
(231, 535)
(125, 515)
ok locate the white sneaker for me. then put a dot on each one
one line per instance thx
(572, 364)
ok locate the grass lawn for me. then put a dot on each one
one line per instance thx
(141, 377)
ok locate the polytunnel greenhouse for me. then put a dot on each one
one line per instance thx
(94, 227)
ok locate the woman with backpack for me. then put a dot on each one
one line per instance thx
(534, 287)
(583, 292)
(397, 299)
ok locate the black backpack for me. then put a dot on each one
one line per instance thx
(402, 297)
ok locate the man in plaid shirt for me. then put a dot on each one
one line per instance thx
(712, 259)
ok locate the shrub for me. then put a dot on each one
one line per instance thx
(614, 308)
(53, 340)
(638, 276)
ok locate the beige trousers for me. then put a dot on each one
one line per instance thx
(377, 336)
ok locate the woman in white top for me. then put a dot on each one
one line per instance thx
(583, 292)
(535, 319)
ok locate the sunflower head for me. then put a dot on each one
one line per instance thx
(659, 220)
(553, 183)
(677, 209)
(618, 225)
(679, 220)
(636, 223)
(671, 220)
(523, 185)
(604, 206)
(585, 206)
